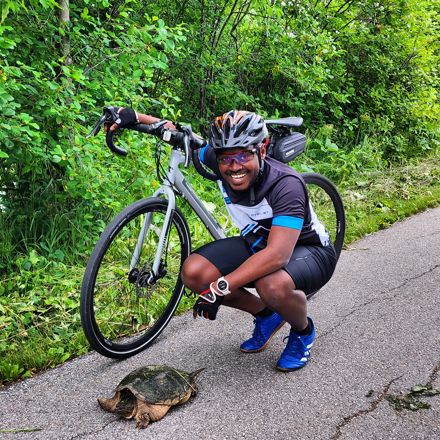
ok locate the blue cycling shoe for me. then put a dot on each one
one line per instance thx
(297, 351)
(263, 332)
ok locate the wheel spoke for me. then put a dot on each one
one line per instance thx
(125, 310)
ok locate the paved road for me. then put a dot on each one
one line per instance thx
(378, 333)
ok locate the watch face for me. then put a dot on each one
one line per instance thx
(222, 285)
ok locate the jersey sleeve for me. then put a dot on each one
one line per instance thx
(207, 157)
(288, 201)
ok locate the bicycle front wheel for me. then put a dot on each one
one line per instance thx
(328, 207)
(122, 308)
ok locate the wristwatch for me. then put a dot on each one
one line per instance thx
(223, 286)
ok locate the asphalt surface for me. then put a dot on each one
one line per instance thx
(378, 334)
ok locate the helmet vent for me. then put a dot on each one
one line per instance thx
(242, 128)
(227, 128)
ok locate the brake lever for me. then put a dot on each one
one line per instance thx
(97, 127)
(109, 116)
(158, 124)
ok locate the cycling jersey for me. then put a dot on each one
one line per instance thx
(279, 198)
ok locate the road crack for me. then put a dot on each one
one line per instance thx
(412, 279)
(385, 392)
(383, 298)
(434, 374)
(94, 431)
(373, 406)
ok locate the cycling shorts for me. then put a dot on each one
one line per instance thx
(310, 266)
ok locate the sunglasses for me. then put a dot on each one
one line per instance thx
(240, 158)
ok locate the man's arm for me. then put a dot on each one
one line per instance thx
(148, 119)
(142, 119)
(274, 256)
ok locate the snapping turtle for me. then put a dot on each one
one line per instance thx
(146, 394)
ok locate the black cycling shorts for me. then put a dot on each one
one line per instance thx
(310, 266)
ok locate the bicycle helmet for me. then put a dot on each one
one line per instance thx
(237, 129)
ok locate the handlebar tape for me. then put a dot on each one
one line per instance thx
(158, 130)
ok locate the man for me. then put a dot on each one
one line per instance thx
(283, 250)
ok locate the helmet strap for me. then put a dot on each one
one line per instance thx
(259, 156)
(260, 163)
(258, 178)
(252, 195)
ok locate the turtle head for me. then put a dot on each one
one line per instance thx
(126, 407)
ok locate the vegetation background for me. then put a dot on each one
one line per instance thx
(364, 75)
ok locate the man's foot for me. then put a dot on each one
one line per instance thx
(297, 351)
(263, 332)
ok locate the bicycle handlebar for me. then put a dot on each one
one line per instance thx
(182, 136)
(143, 128)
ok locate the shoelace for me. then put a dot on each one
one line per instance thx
(257, 333)
(293, 341)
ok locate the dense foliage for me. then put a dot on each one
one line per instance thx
(363, 75)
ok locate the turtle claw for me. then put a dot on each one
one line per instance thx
(143, 421)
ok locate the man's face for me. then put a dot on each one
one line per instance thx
(239, 167)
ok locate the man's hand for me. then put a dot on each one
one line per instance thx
(207, 304)
(127, 117)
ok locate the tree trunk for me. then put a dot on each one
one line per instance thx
(64, 14)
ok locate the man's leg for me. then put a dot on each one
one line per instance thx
(198, 273)
(278, 291)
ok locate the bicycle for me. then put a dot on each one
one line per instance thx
(131, 286)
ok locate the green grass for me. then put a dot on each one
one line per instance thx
(39, 300)
(378, 200)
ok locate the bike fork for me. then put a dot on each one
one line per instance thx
(166, 190)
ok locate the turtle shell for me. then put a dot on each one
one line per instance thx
(159, 384)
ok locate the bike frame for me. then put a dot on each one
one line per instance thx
(173, 181)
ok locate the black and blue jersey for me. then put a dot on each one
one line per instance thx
(280, 199)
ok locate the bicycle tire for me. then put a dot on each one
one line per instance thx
(328, 207)
(121, 317)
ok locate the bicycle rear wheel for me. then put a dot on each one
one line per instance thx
(328, 206)
(122, 312)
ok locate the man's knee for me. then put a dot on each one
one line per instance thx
(273, 289)
(197, 272)
(190, 272)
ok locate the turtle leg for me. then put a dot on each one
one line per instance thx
(109, 404)
(147, 413)
(194, 389)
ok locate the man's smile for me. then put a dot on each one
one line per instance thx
(237, 175)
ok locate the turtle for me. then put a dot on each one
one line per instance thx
(147, 393)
